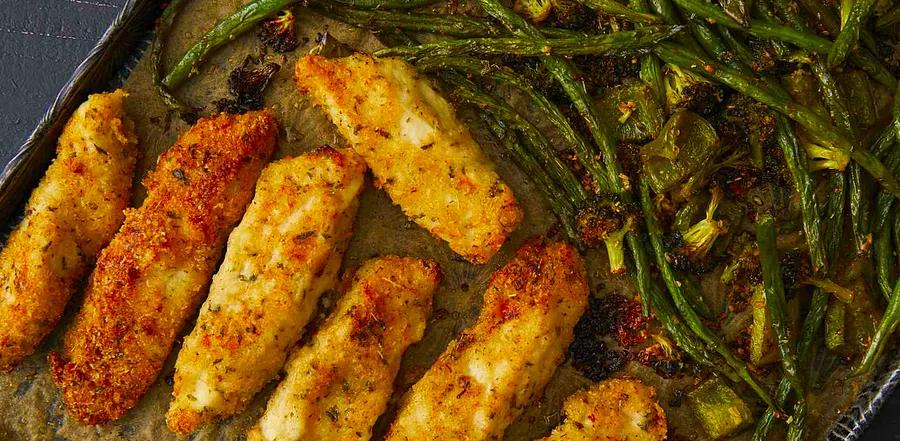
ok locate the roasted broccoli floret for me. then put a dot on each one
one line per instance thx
(536, 10)
(699, 238)
(280, 32)
(607, 222)
(756, 121)
(687, 90)
(742, 276)
(733, 160)
(825, 158)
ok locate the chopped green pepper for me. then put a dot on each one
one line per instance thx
(685, 145)
(721, 411)
(632, 110)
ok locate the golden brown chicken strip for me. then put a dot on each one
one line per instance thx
(338, 385)
(486, 377)
(617, 409)
(285, 253)
(70, 217)
(420, 153)
(150, 279)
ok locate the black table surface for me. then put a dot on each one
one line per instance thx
(41, 43)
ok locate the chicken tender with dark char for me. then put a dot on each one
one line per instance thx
(149, 281)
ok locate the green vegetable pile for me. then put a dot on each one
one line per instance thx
(691, 138)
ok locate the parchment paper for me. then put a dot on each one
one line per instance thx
(30, 406)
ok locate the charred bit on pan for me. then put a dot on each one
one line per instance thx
(751, 115)
(775, 169)
(594, 360)
(246, 85)
(794, 269)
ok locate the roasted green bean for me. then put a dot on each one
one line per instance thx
(615, 43)
(775, 300)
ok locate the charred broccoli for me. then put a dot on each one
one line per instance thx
(699, 238)
(280, 32)
(536, 10)
(757, 122)
(246, 85)
(607, 222)
(825, 158)
(687, 90)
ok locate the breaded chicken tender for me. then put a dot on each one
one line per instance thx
(420, 153)
(486, 377)
(72, 214)
(617, 409)
(150, 279)
(284, 254)
(338, 385)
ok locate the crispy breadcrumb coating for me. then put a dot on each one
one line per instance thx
(616, 409)
(338, 385)
(285, 253)
(420, 153)
(71, 215)
(150, 279)
(487, 377)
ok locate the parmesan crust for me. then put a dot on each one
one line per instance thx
(72, 214)
(420, 153)
(487, 377)
(285, 253)
(150, 279)
(338, 385)
(617, 409)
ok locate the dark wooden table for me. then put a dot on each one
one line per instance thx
(41, 42)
